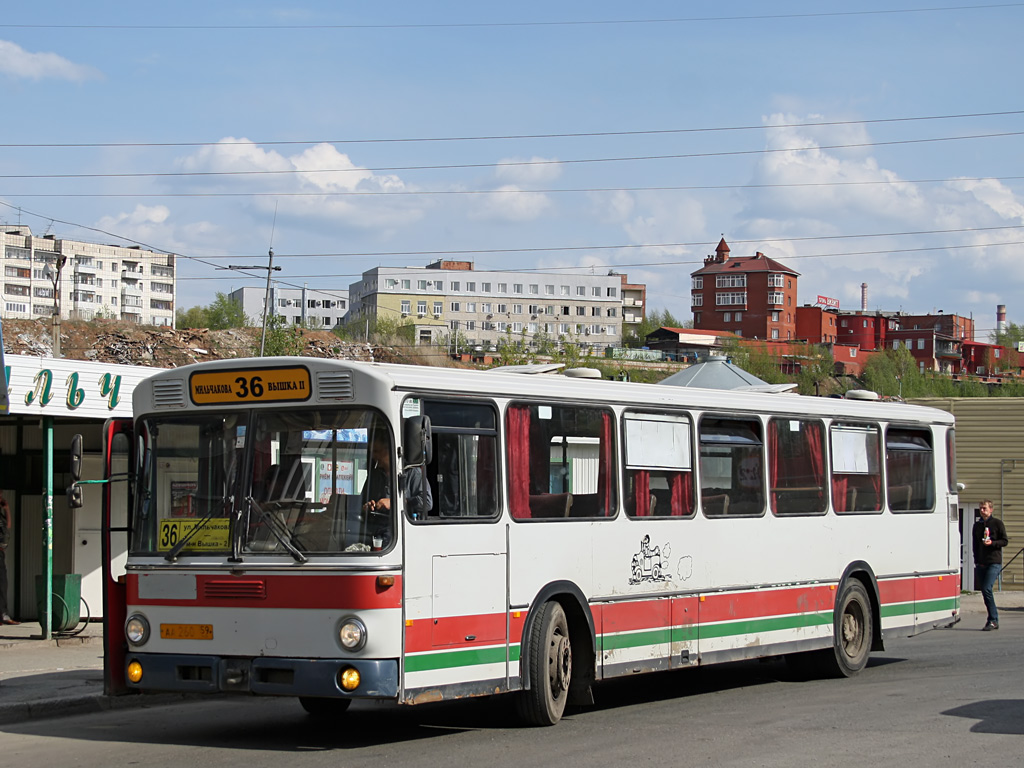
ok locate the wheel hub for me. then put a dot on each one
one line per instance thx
(563, 664)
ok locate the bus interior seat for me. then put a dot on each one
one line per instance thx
(550, 504)
(900, 496)
(716, 504)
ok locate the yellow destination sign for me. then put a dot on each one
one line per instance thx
(262, 385)
(215, 536)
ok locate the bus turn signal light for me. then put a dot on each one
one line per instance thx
(135, 671)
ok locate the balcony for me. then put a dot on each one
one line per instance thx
(85, 269)
(131, 310)
(131, 289)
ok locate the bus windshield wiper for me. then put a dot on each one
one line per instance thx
(276, 527)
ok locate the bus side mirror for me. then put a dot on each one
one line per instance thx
(418, 445)
(76, 458)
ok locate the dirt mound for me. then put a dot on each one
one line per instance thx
(112, 341)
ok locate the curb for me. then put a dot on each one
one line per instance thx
(83, 705)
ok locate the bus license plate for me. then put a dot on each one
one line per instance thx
(186, 631)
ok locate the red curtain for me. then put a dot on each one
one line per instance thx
(774, 458)
(681, 487)
(876, 479)
(642, 492)
(839, 486)
(519, 461)
(605, 486)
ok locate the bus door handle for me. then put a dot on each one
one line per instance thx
(470, 637)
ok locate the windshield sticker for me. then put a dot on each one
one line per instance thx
(215, 535)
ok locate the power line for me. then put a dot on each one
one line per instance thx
(506, 163)
(561, 190)
(510, 24)
(508, 137)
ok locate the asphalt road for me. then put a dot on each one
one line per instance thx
(950, 697)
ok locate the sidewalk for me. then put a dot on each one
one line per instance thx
(64, 676)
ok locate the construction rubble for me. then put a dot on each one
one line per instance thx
(111, 341)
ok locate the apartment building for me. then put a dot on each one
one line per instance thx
(751, 296)
(452, 302)
(309, 307)
(87, 280)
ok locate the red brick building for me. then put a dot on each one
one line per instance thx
(751, 296)
(868, 330)
(817, 325)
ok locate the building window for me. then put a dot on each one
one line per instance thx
(613, 293)
(697, 300)
(390, 283)
(485, 287)
(502, 287)
(406, 308)
(775, 297)
(438, 307)
(595, 311)
(697, 283)
(549, 290)
(564, 310)
(517, 288)
(730, 281)
(485, 307)
(455, 286)
(737, 316)
(727, 317)
(581, 290)
(470, 286)
(596, 291)
(696, 319)
(775, 316)
(421, 308)
(517, 309)
(503, 309)
(613, 312)
(775, 333)
(471, 306)
(920, 343)
(775, 281)
(581, 311)
(534, 289)
(421, 285)
(728, 299)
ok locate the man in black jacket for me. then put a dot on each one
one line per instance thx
(989, 538)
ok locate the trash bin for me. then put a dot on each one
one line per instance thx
(67, 601)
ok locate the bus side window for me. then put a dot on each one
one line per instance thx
(731, 467)
(561, 462)
(463, 474)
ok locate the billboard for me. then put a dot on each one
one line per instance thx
(827, 301)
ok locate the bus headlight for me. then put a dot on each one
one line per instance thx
(136, 629)
(352, 633)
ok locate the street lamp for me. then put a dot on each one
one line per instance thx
(52, 273)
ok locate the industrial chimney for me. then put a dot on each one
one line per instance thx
(863, 297)
(1000, 318)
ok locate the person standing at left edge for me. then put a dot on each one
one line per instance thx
(989, 538)
(5, 538)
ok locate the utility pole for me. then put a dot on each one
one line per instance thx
(52, 272)
(270, 268)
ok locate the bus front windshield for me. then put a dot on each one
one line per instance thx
(265, 483)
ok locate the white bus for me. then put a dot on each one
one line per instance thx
(335, 531)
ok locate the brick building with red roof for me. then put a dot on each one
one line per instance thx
(751, 296)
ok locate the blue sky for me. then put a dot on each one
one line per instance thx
(296, 108)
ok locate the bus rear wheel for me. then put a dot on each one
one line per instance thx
(549, 661)
(324, 708)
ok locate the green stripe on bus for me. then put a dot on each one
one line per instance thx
(925, 606)
(691, 632)
(468, 657)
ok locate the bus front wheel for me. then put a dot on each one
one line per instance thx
(853, 629)
(549, 660)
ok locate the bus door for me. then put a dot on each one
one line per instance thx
(456, 555)
(118, 463)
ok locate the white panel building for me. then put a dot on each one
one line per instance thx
(308, 307)
(449, 298)
(93, 280)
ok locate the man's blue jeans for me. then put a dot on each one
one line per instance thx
(984, 578)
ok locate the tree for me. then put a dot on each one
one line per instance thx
(652, 322)
(895, 373)
(282, 339)
(816, 366)
(223, 312)
(512, 350)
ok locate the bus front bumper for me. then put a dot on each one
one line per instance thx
(263, 675)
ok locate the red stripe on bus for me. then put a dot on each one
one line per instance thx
(299, 591)
(734, 606)
(923, 588)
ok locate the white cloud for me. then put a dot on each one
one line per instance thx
(510, 203)
(844, 192)
(539, 170)
(15, 61)
(318, 169)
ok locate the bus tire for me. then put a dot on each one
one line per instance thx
(324, 708)
(549, 658)
(853, 630)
